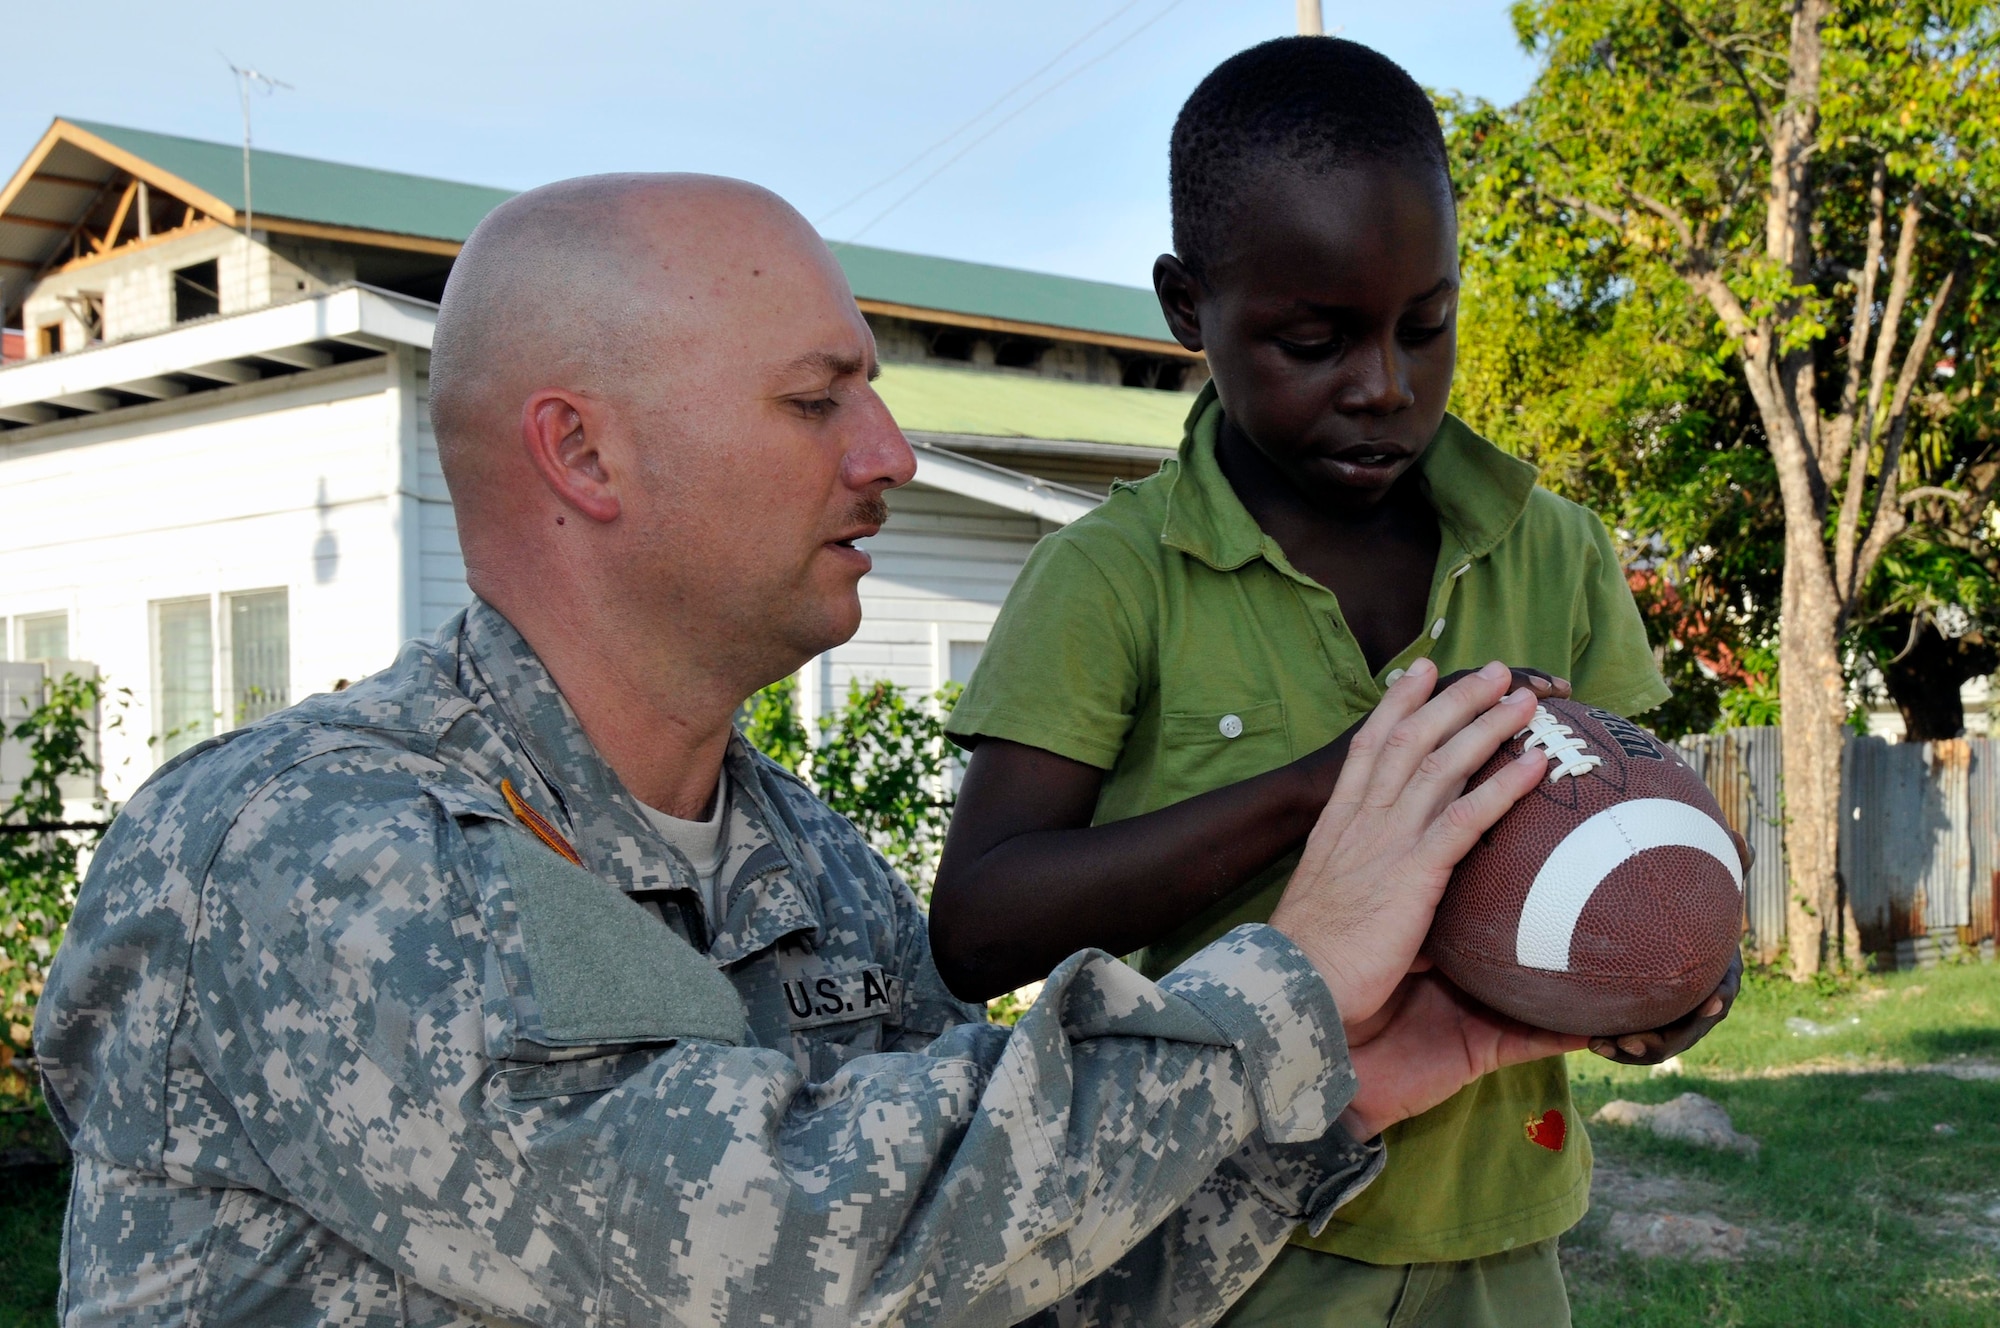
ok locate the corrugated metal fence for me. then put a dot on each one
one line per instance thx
(1919, 837)
(1743, 767)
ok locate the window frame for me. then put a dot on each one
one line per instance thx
(225, 653)
(17, 634)
(160, 736)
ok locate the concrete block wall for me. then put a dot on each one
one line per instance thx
(136, 282)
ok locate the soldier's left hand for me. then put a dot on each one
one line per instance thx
(1429, 1041)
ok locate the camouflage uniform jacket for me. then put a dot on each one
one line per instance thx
(336, 1040)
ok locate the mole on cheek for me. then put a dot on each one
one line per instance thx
(559, 520)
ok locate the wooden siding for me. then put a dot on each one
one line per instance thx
(240, 490)
(442, 567)
(943, 565)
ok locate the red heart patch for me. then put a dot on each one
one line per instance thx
(1549, 1131)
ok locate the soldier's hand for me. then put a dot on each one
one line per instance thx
(1361, 899)
(1434, 1041)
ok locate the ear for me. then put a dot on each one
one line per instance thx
(559, 431)
(1179, 293)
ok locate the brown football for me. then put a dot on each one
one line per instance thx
(1607, 901)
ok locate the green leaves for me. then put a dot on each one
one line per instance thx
(1625, 285)
(883, 762)
(39, 870)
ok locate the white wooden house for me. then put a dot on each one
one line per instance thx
(218, 483)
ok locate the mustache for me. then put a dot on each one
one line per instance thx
(870, 511)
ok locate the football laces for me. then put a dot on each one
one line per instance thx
(1568, 754)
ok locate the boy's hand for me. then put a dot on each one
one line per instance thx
(1543, 685)
(1652, 1047)
(1435, 1041)
(1321, 769)
(1361, 899)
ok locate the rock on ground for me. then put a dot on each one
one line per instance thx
(1655, 1216)
(1677, 1236)
(1690, 1118)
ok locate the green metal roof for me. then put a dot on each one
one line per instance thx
(1004, 405)
(1001, 292)
(304, 189)
(336, 194)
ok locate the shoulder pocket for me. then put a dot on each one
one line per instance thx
(599, 969)
(1207, 749)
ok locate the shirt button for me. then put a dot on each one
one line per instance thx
(1437, 629)
(1231, 726)
(1396, 676)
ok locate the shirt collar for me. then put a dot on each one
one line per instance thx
(763, 899)
(1477, 491)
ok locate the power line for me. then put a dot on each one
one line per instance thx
(996, 103)
(1018, 111)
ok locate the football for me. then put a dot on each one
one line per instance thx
(1607, 901)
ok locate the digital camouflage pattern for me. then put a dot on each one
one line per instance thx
(337, 1042)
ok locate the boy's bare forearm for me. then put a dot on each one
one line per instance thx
(1026, 880)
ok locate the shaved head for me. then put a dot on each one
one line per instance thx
(652, 401)
(569, 284)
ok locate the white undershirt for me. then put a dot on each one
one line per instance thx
(703, 843)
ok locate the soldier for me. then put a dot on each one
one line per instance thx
(510, 985)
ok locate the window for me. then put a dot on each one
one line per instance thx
(1153, 371)
(183, 674)
(964, 659)
(87, 308)
(48, 339)
(961, 658)
(952, 344)
(43, 635)
(197, 290)
(260, 656)
(1019, 352)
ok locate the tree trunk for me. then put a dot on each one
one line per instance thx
(1812, 694)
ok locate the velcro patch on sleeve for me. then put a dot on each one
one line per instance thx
(603, 969)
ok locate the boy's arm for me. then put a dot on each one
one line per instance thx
(1026, 880)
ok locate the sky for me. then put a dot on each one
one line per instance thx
(817, 101)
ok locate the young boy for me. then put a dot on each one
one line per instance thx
(1157, 718)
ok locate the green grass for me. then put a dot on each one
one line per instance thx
(1862, 1202)
(31, 1210)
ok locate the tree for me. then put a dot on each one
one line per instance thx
(882, 761)
(1816, 179)
(38, 862)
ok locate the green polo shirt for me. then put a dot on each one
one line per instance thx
(1165, 639)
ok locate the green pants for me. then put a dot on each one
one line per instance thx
(1307, 1289)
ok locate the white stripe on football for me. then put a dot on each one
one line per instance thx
(1592, 851)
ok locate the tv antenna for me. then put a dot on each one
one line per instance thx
(248, 80)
